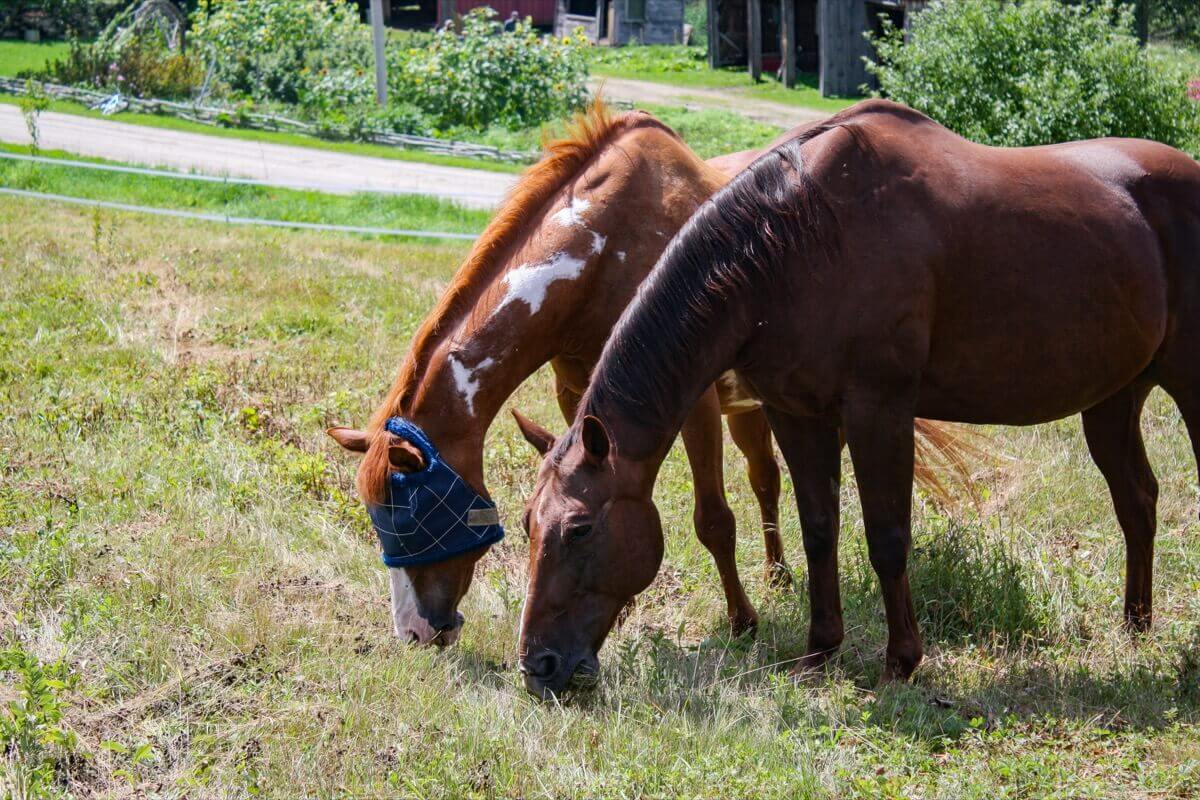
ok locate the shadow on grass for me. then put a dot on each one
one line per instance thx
(999, 654)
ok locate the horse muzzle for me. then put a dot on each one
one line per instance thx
(547, 674)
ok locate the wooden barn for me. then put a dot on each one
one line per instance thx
(428, 13)
(822, 36)
(613, 22)
(617, 22)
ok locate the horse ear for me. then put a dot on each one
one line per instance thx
(349, 438)
(405, 456)
(595, 439)
(541, 439)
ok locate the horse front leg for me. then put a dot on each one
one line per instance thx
(812, 449)
(715, 525)
(879, 434)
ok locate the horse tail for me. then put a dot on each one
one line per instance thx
(944, 457)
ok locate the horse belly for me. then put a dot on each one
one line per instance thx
(1077, 319)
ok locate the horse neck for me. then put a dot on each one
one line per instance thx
(664, 355)
(565, 279)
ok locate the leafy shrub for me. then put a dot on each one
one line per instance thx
(1033, 72)
(485, 75)
(141, 67)
(287, 51)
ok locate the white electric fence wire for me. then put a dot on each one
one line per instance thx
(195, 176)
(225, 218)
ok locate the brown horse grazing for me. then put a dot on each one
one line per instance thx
(546, 282)
(871, 269)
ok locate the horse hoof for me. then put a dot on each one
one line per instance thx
(1137, 624)
(744, 626)
(778, 576)
(894, 674)
(811, 666)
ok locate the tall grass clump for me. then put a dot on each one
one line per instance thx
(1035, 72)
(969, 584)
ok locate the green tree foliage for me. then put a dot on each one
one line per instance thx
(1034, 72)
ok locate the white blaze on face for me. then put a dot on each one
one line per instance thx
(528, 283)
(408, 622)
(466, 379)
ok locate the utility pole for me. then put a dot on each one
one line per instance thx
(380, 38)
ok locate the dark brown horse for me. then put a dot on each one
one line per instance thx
(546, 282)
(867, 271)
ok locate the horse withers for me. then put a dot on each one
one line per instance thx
(872, 269)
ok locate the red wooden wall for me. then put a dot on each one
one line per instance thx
(542, 11)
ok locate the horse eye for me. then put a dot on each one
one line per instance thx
(578, 531)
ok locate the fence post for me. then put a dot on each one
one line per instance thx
(380, 37)
(754, 39)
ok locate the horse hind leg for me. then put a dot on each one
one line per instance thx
(752, 435)
(568, 399)
(715, 524)
(1114, 439)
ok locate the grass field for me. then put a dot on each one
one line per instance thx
(191, 603)
(1179, 56)
(678, 65)
(17, 57)
(408, 212)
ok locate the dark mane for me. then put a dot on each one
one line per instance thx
(732, 247)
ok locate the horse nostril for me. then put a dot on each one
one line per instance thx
(454, 624)
(542, 666)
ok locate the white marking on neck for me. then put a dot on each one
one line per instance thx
(621, 256)
(572, 213)
(528, 283)
(467, 378)
(597, 242)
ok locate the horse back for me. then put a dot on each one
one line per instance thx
(1029, 282)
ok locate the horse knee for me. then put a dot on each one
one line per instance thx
(715, 523)
(819, 536)
(889, 549)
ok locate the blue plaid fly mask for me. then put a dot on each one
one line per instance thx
(431, 515)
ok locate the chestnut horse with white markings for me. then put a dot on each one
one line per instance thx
(546, 282)
(870, 269)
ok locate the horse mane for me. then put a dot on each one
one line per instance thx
(733, 246)
(587, 134)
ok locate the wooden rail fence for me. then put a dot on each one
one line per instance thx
(240, 118)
